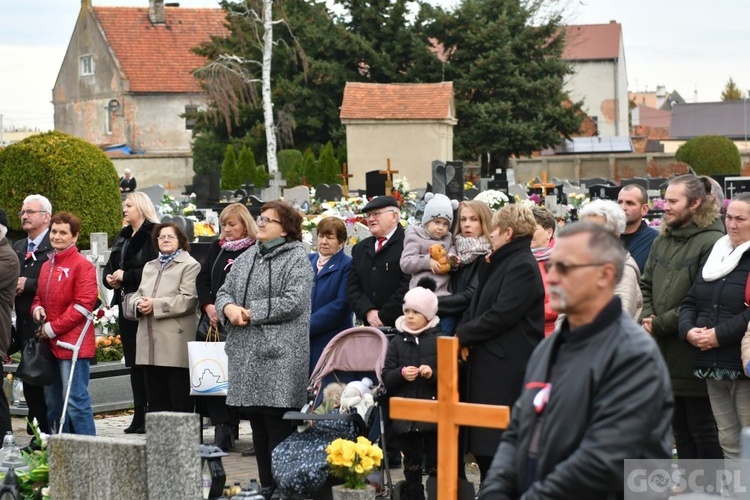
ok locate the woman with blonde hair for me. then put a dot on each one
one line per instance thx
(133, 247)
(238, 232)
(503, 324)
(472, 241)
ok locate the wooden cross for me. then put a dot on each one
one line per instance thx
(544, 185)
(389, 177)
(449, 414)
(304, 182)
(345, 175)
(471, 177)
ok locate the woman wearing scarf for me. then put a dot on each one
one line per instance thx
(714, 319)
(472, 243)
(166, 303)
(264, 306)
(542, 244)
(331, 313)
(238, 231)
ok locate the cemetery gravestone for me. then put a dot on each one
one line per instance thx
(154, 193)
(736, 185)
(375, 183)
(324, 192)
(471, 193)
(275, 185)
(517, 190)
(454, 187)
(605, 192)
(297, 196)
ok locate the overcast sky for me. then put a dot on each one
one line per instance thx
(687, 45)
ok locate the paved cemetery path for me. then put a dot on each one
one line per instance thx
(238, 468)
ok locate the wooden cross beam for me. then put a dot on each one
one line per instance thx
(471, 177)
(449, 415)
(389, 177)
(345, 175)
(544, 185)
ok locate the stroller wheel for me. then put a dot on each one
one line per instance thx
(398, 490)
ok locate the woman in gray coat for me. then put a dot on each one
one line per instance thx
(265, 307)
(167, 303)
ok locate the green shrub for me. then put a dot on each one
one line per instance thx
(208, 153)
(328, 166)
(231, 178)
(710, 154)
(75, 175)
(309, 171)
(290, 166)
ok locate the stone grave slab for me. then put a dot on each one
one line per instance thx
(471, 193)
(155, 193)
(275, 185)
(359, 231)
(173, 461)
(736, 185)
(518, 190)
(375, 183)
(325, 192)
(297, 196)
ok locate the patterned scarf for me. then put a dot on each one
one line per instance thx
(235, 245)
(541, 254)
(469, 249)
(165, 259)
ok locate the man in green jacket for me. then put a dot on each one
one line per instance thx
(690, 226)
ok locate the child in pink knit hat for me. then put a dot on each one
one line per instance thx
(410, 371)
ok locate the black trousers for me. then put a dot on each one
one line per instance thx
(269, 429)
(168, 389)
(34, 394)
(128, 330)
(418, 446)
(694, 428)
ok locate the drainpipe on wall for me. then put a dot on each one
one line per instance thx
(617, 99)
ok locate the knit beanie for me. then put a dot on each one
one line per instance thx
(438, 206)
(422, 298)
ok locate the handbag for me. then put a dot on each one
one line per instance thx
(204, 324)
(37, 362)
(208, 366)
(128, 311)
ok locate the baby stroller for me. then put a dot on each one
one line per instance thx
(299, 462)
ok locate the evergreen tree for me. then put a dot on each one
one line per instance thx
(290, 166)
(328, 167)
(309, 171)
(231, 178)
(246, 165)
(508, 78)
(731, 92)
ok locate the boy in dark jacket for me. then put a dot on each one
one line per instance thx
(410, 372)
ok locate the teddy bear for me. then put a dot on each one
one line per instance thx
(357, 396)
(437, 252)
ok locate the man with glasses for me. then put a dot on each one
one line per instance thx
(32, 252)
(377, 286)
(595, 392)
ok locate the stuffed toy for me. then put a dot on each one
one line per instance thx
(331, 398)
(357, 396)
(437, 252)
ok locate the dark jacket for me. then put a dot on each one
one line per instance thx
(502, 326)
(331, 313)
(639, 243)
(30, 267)
(463, 285)
(214, 270)
(718, 304)
(376, 280)
(9, 270)
(139, 248)
(609, 400)
(406, 349)
(672, 266)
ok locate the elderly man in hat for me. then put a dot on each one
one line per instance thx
(9, 271)
(377, 285)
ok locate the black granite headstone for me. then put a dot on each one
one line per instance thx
(604, 191)
(736, 185)
(454, 188)
(375, 183)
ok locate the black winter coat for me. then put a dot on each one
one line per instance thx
(463, 286)
(376, 280)
(30, 268)
(406, 349)
(610, 399)
(502, 326)
(139, 249)
(718, 304)
(214, 270)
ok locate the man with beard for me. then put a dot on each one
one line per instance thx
(598, 360)
(690, 226)
(32, 252)
(638, 235)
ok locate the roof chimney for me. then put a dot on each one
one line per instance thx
(156, 11)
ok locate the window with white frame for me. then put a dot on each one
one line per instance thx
(87, 65)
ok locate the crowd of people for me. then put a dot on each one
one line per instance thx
(609, 339)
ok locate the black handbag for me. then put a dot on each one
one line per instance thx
(37, 363)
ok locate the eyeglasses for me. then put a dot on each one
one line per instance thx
(31, 212)
(167, 237)
(372, 215)
(563, 269)
(263, 220)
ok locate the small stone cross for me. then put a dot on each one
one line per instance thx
(449, 414)
(275, 184)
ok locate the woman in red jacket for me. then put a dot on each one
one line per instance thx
(65, 280)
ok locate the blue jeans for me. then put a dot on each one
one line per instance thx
(80, 415)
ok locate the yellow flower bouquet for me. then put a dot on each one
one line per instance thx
(353, 462)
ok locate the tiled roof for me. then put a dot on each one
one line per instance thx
(589, 42)
(398, 101)
(158, 58)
